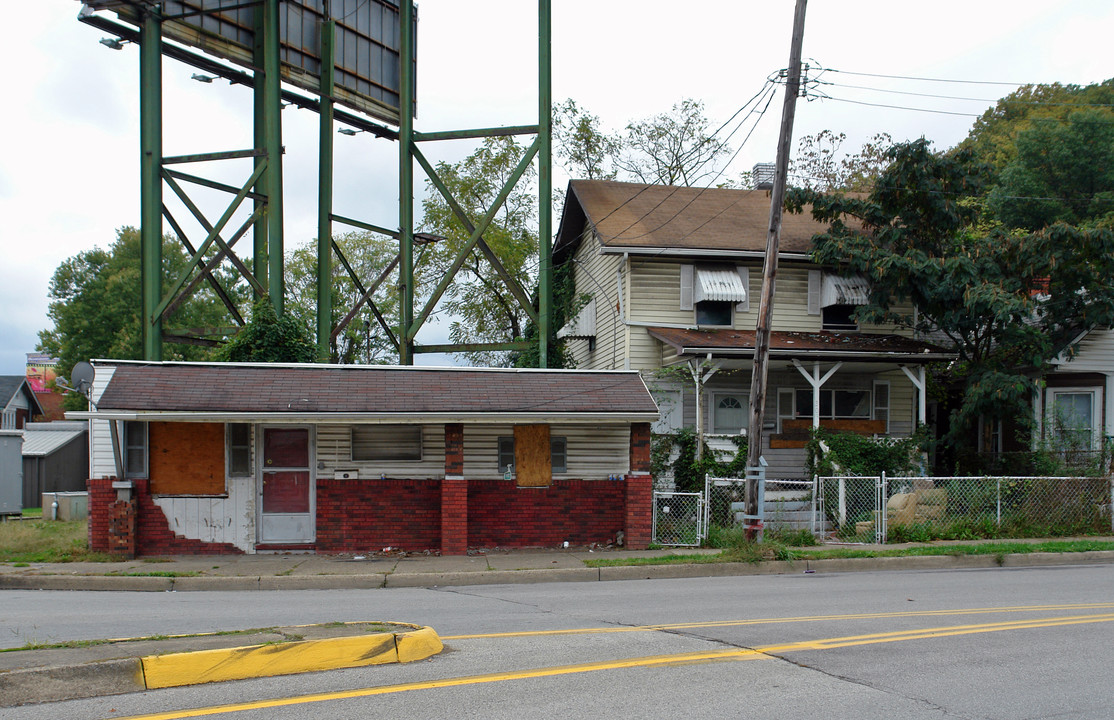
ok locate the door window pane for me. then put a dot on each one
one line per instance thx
(286, 447)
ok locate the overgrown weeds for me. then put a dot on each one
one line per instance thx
(47, 541)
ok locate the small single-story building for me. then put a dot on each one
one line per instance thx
(55, 459)
(245, 458)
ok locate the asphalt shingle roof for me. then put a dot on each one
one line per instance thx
(788, 342)
(663, 216)
(305, 389)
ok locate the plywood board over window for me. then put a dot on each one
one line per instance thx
(186, 458)
(531, 456)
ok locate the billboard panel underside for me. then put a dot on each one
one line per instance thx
(367, 75)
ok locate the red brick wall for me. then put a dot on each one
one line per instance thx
(500, 514)
(639, 511)
(153, 535)
(454, 516)
(369, 515)
(640, 447)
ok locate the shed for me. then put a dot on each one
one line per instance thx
(243, 457)
(55, 459)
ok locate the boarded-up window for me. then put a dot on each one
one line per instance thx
(531, 455)
(387, 442)
(186, 458)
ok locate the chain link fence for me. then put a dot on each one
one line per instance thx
(678, 519)
(901, 509)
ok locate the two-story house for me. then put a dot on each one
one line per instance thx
(672, 277)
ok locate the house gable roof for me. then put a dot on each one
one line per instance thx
(10, 385)
(373, 393)
(631, 216)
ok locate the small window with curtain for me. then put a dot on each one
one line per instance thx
(386, 442)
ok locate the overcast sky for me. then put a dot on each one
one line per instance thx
(69, 164)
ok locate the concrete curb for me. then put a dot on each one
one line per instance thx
(115, 677)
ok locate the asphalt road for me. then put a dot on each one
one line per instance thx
(1003, 643)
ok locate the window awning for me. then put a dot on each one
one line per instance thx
(720, 283)
(583, 325)
(844, 290)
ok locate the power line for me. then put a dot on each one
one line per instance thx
(924, 79)
(958, 97)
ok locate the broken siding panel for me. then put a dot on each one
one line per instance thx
(215, 520)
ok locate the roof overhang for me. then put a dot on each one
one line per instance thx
(325, 418)
(830, 346)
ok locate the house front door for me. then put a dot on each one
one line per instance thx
(286, 492)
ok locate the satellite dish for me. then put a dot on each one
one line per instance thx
(82, 376)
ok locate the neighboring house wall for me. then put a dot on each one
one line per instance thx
(1089, 370)
(64, 470)
(597, 275)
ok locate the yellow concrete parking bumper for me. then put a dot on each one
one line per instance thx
(194, 668)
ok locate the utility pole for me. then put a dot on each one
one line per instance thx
(755, 471)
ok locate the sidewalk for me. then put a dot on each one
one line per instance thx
(497, 566)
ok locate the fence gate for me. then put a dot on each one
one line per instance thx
(678, 518)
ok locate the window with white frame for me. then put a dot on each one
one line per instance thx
(729, 413)
(135, 449)
(238, 439)
(558, 454)
(990, 434)
(386, 442)
(1072, 417)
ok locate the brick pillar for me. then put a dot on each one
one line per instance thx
(121, 528)
(454, 494)
(639, 495)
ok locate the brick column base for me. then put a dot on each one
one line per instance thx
(639, 515)
(454, 516)
(121, 528)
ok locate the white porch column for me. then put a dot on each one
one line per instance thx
(815, 380)
(918, 381)
(1108, 403)
(699, 379)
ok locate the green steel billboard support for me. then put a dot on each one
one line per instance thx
(325, 194)
(272, 94)
(406, 183)
(259, 109)
(545, 182)
(150, 140)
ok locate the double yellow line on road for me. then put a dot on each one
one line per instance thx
(764, 652)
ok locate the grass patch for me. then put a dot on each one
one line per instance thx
(156, 573)
(32, 512)
(47, 541)
(765, 551)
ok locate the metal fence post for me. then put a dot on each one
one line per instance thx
(999, 499)
(815, 492)
(842, 502)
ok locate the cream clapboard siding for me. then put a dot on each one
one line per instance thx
(1094, 353)
(593, 451)
(101, 462)
(334, 451)
(229, 519)
(596, 275)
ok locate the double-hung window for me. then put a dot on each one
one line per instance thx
(135, 449)
(386, 442)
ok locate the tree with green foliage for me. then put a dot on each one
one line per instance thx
(480, 305)
(267, 338)
(363, 340)
(1063, 171)
(96, 305)
(993, 138)
(819, 165)
(1009, 302)
(587, 151)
